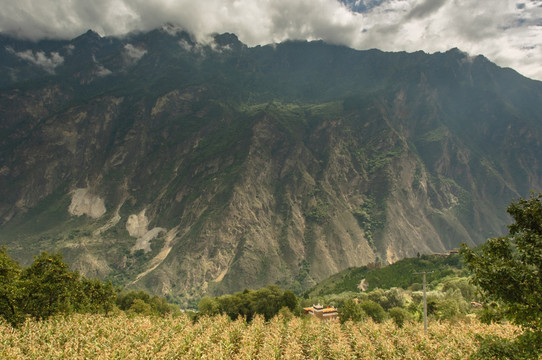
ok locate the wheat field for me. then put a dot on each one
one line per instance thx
(141, 337)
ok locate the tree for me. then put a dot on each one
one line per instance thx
(140, 307)
(49, 286)
(374, 310)
(126, 298)
(267, 301)
(399, 315)
(9, 288)
(99, 296)
(208, 306)
(508, 268)
(352, 311)
(289, 300)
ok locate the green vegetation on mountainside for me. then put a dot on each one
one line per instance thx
(400, 274)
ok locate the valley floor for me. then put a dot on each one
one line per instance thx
(120, 337)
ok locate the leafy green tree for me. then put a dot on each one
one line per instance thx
(49, 286)
(467, 289)
(267, 301)
(160, 306)
(352, 311)
(9, 288)
(289, 300)
(126, 298)
(208, 306)
(140, 307)
(100, 297)
(286, 313)
(399, 315)
(447, 308)
(374, 310)
(509, 268)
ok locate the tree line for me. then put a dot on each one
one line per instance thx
(267, 301)
(48, 287)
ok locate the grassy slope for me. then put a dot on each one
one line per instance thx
(400, 274)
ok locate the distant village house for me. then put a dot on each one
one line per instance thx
(323, 314)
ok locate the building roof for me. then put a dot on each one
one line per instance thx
(329, 309)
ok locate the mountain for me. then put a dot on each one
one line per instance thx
(189, 168)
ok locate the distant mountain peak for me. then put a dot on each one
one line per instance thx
(228, 40)
(90, 35)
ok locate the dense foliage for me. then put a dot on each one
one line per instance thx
(508, 269)
(47, 287)
(267, 301)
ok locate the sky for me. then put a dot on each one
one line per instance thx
(508, 32)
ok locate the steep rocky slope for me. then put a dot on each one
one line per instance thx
(186, 168)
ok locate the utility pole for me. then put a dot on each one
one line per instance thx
(424, 300)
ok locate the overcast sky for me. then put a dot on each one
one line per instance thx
(508, 32)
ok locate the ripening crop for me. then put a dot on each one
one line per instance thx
(121, 337)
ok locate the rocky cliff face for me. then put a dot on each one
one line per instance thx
(188, 168)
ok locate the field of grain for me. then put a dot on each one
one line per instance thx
(121, 337)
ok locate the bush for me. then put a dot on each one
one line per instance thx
(525, 347)
(140, 307)
(351, 311)
(463, 285)
(286, 313)
(374, 310)
(399, 316)
(208, 306)
(158, 305)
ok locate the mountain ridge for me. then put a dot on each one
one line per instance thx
(187, 168)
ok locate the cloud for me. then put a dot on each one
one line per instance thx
(425, 8)
(506, 31)
(101, 71)
(132, 54)
(48, 63)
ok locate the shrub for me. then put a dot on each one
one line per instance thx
(399, 316)
(352, 311)
(374, 310)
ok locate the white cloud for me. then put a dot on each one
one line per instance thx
(133, 54)
(101, 70)
(506, 31)
(48, 63)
